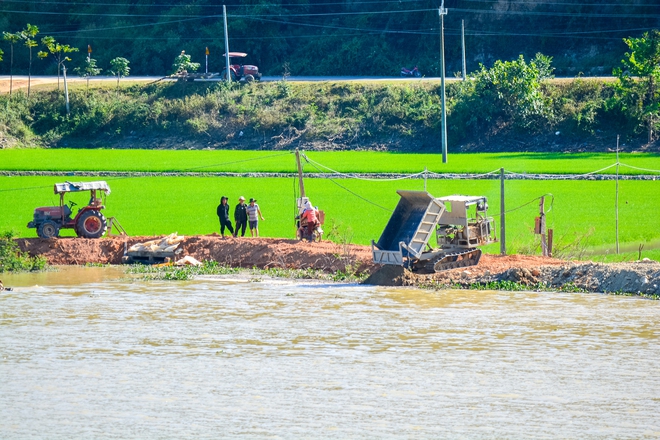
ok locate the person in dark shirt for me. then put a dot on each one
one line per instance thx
(240, 217)
(223, 215)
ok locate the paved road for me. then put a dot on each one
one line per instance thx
(21, 80)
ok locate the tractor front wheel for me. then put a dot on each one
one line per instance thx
(249, 78)
(223, 75)
(91, 224)
(48, 229)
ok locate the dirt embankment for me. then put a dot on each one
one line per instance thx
(639, 277)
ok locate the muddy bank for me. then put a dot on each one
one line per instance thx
(236, 252)
(639, 277)
(642, 277)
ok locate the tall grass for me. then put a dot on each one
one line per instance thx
(398, 116)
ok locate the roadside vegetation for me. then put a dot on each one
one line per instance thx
(576, 115)
(13, 260)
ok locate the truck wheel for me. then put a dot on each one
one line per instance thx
(92, 224)
(249, 78)
(48, 229)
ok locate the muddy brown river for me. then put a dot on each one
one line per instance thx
(88, 353)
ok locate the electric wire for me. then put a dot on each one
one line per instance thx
(357, 177)
(354, 193)
(637, 168)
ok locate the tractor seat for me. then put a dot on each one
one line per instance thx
(66, 211)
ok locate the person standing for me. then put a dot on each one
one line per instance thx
(254, 213)
(240, 217)
(223, 215)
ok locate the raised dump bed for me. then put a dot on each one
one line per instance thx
(409, 229)
(462, 226)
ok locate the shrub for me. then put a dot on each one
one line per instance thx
(13, 260)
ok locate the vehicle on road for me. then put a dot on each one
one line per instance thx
(241, 72)
(411, 73)
(88, 222)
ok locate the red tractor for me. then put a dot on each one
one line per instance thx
(246, 72)
(88, 221)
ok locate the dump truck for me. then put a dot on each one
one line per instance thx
(460, 224)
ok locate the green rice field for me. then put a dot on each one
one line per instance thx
(582, 214)
(344, 161)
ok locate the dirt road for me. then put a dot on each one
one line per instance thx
(639, 277)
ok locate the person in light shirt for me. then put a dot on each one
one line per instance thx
(254, 214)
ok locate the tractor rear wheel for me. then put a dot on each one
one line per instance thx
(48, 229)
(91, 224)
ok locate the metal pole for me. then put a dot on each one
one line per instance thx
(463, 46)
(300, 174)
(228, 72)
(207, 60)
(544, 245)
(66, 89)
(442, 11)
(425, 171)
(616, 201)
(502, 215)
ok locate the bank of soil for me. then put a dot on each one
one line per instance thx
(638, 277)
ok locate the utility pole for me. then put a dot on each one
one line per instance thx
(300, 174)
(502, 215)
(228, 72)
(207, 60)
(463, 46)
(616, 200)
(66, 89)
(442, 12)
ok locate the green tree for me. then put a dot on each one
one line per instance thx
(1, 54)
(638, 81)
(28, 35)
(119, 67)
(11, 39)
(88, 69)
(58, 51)
(183, 64)
(508, 93)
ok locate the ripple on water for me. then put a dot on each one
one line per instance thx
(103, 357)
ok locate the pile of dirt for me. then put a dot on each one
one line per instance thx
(236, 252)
(639, 277)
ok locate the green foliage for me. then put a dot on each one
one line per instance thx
(639, 79)
(508, 95)
(58, 51)
(28, 35)
(119, 68)
(183, 64)
(13, 260)
(282, 115)
(88, 68)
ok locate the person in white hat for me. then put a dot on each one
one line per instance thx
(240, 217)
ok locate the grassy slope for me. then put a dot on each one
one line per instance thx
(344, 161)
(583, 211)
